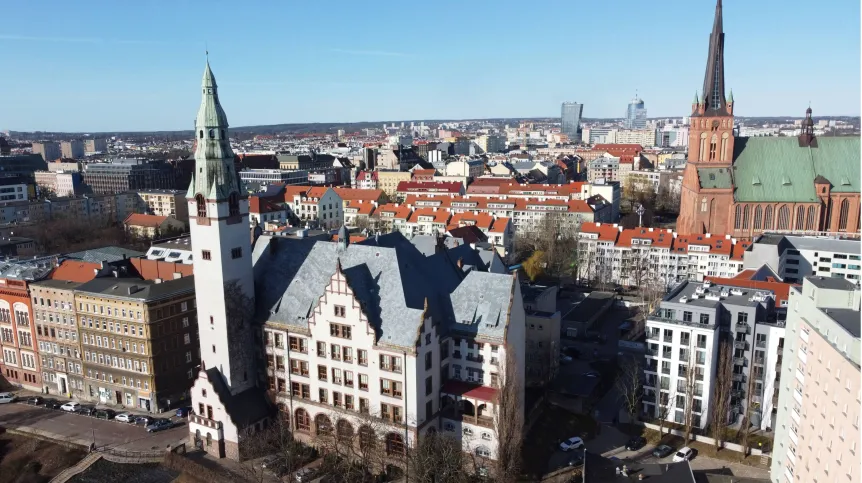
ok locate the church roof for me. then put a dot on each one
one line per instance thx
(714, 178)
(777, 169)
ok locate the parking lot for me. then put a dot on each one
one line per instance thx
(77, 428)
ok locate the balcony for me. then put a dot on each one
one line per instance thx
(761, 344)
(652, 336)
(738, 377)
(652, 352)
(475, 358)
(453, 414)
(739, 361)
(743, 327)
(740, 344)
(780, 350)
(456, 354)
(683, 357)
(775, 400)
(739, 393)
(210, 423)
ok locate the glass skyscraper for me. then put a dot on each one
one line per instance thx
(636, 114)
(570, 118)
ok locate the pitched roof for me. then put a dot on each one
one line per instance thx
(718, 245)
(777, 169)
(291, 191)
(781, 289)
(468, 233)
(159, 269)
(348, 194)
(715, 178)
(659, 238)
(400, 211)
(257, 204)
(75, 271)
(105, 254)
(480, 219)
(439, 216)
(500, 225)
(149, 221)
(360, 207)
(428, 187)
(604, 231)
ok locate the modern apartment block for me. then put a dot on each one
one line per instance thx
(139, 340)
(60, 184)
(793, 258)
(95, 145)
(690, 326)
(817, 432)
(165, 203)
(129, 175)
(72, 149)
(49, 150)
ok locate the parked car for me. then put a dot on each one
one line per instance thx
(35, 400)
(124, 418)
(159, 425)
(183, 412)
(684, 454)
(572, 443)
(636, 443)
(144, 420)
(564, 359)
(104, 414)
(662, 451)
(304, 474)
(7, 397)
(52, 404)
(87, 410)
(592, 374)
(72, 407)
(577, 459)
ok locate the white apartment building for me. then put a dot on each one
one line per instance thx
(648, 179)
(271, 176)
(795, 257)
(322, 205)
(465, 167)
(491, 143)
(263, 210)
(338, 366)
(817, 433)
(165, 203)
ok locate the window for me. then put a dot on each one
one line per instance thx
(362, 357)
(429, 385)
(758, 217)
(348, 378)
(783, 218)
(686, 316)
(335, 352)
(767, 218)
(321, 349)
(348, 402)
(206, 255)
(233, 205)
(298, 345)
(323, 396)
(336, 376)
(339, 311)
(339, 330)
(390, 388)
(236, 253)
(322, 373)
(704, 318)
(201, 202)
(843, 215)
(429, 363)
(390, 363)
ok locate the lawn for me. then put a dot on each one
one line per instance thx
(555, 425)
(28, 460)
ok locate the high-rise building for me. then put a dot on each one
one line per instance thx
(48, 150)
(570, 118)
(72, 149)
(817, 424)
(96, 145)
(129, 174)
(636, 114)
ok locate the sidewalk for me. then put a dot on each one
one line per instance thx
(24, 394)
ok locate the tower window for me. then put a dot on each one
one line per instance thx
(236, 252)
(206, 255)
(212, 133)
(202, 205)
(233, 204)
(222, 134)
(201, 134)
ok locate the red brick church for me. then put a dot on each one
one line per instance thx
(745, 186)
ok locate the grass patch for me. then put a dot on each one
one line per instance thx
(553, 426)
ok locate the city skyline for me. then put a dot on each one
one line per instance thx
(349, 73)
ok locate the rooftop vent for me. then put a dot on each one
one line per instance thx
(785, 181)
(755, 181)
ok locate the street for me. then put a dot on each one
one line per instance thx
(80, 429)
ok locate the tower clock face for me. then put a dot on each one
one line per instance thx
(715, 124)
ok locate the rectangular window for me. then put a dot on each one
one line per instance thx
(348, 378)
(362, 357)
(321, 349)
(336, 399)
(339, 330)
(390, 363)
(363, 382)
(335, 352)
(429, 363)
(348, 402)
(206, 255)
(298, 345)
(390, 388)
(322, 373)
(336, 376)
(347, 354)
(339, 311)
(429, 385)
(323, 396)
(236, 253)
(364, 407)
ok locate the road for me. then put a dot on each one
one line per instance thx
(699, 463)
(83, 429)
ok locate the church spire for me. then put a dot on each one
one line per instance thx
(713, 81)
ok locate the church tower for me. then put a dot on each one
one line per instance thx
(707, 193)
(224, 284)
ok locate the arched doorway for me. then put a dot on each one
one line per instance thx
(302, 420)
(344, 430)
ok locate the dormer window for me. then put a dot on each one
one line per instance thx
(233, 204)
(202, 206)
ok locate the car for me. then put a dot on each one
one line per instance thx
(304, 474)
(144, 420)
(662, 451)
(52, 404)
(158, 425)
(636, 443)
(125, 418)
(183, 412)
(104, 414)
(87, 410)
(7, 397)
(572, 443)
(592, 374)
(684, 454)
(565, 359)
(35, 400)
(71, 406)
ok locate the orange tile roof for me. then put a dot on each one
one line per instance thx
(481, 220)
(440, 216)
(780, 289)
(353, 238)
(605, 232)
(256, 204)
(348, 194)
(150, 221)
(619, 148)
(739, 249)
(360, 207)
(426, 187)
(500, 224)
(75, 271)
(425, 172)
(659, 238)
(401, 212)
(153, 269)
(718, 245)
(291, 191)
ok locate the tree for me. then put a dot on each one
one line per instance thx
(690, 389)
(509, 420)
(534, 266)
(664, 403)
(438, 458)
(629, 384)
(556, 236)
(722, 388)
(746, 414)
(276, 441)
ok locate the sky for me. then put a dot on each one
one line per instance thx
(94, 65)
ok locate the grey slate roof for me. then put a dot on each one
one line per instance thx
(105, 254)
(146, 290)
(31, 269)
(848, 319)
(389, 276)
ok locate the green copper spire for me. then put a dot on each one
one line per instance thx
(215, 177)
(730, 99)
(696, 100)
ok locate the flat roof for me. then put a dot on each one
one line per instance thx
(847, 318)
(689, 288)
(831, 283)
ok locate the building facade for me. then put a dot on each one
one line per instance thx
(793, 258)
(49, 150)
(570, 119)
(165, 203)
(129, 175)
(72, 149)
(60, 356)
(636, 114)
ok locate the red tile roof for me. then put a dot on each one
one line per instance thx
(439, 215)
(620, 148)
(353, 238)
(429, 187)
(75, 271)
(349, 194)
(425, 172)
(781, 289)
(481, 220)
(718, 245)
(360, 207)
(604, 231)
(150, 221)
(153, 269)
(256, 204)
(471, 391)
(500, 225)
(739, 249)
(401, 212)
(291, 191)
(659, 238)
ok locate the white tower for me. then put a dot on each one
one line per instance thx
(224, 284)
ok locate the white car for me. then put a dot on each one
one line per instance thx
(71, 407)
(684, 454)
(572, 443)
(124, 418)
(7, 397)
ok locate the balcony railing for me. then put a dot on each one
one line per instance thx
(780, 350)
(210, 423)
(739, 361)
(652, 352)
(740, 344)
(454, 414)
(650, 336)
(683, 357)
(456, 354)
(475, 358)
(742, 327)
(738, 377)
(761, 344)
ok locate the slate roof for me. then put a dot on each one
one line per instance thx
(141, 289)
(777, 169)
(105, 254)
(389, 276)
(715, 178)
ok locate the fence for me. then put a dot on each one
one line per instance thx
(703, 439)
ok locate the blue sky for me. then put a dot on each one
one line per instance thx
(108, 65)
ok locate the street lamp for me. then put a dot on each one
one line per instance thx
(640, 212)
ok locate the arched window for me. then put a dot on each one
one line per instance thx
(811, 222)
(394, 444)
(783, 218)
(202, 205)
(303, 422)
(737, 218)
(209, 440)
(800, 218)
(344, 430)
(212, 133)
(745, 215)
(758, 217)
(767, 218)
(483, 452)
(843, 215)
(367, 438)
(322, 424)
(201, 134)
(233, 204)
(222, 134)
(712, 146)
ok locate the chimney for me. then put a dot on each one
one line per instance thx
(177, 275)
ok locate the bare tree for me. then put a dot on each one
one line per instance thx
(664, 403)
(722, 387)
(276, 441)
(630, 386)
(689, 388)
(438, 458)
(509, 420)
(746, 414)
